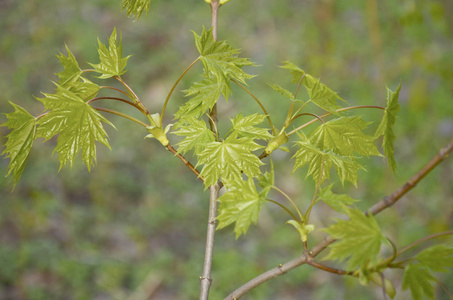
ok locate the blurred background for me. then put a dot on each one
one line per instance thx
(139, 218)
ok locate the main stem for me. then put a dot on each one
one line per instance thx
(205, 279)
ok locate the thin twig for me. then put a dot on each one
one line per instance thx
(122, 115)
(185, 161)
(383, 204)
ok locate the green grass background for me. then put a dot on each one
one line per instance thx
(140, 215)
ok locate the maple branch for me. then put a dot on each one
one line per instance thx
(383, 204)
(122, 115)
(185, 161)
(205, 279)
(174, 87)
(259, 103)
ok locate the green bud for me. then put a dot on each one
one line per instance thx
(276, 142)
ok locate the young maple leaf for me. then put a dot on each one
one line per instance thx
(339, 202)
(20, 139)
(77, 123)
(221, 60)
(419, 280)
(385, 128)
(72, 71)
(359, 240)
(205, 95)
(321, 161)
(241, 204)
(246, 126)
(228, 159)
(112, 60)
(196, 135)
(319, 93)
(344, 136)
(135, 7)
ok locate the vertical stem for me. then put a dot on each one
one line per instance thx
(205, 279)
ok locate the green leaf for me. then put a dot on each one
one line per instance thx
(437, 258)
(221, 60)
(344, 136)
(245, 126)
(339, 202)
(360, 240)
(319, 93)
(77, 123)
(417, 278)
(20, 139)
(284, 92)
(385, 128)
(302, 229)
(196, 135)
(72, 71)
(266, 181)
(112, 60)
(205, 95)
(135, 7)
(241, 204)
(321, 161)
(228, 158)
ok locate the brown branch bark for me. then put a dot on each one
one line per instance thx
(307, 257)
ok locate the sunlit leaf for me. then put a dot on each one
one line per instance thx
(20, 139)
(77, 123)
(359, 240)
(241, 204)
(344, 136)
(228, 158)
(72, 71)
(385, 128)
(419, 280)
(112, 60)
(135, 7)
(321, 161)
(339, 202)
(196, 135)
(204, 95)
(246, 126)
(221, 60)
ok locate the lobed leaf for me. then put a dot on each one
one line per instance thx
(437, 258)
(344, 136)
(385, 128)
(135, 7)
(246, 126)
(77, 123)
(339, 202)
(241, 204)
(20, 139)
(221, 60)
(205, 95)
(321, 161)
(228, 159)
(196, 135)
(112, 60)
(418, 279)
(72, 71)
(360, 240)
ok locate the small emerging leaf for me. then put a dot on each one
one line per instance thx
(385, 128)
(241, 204)
(418, 279)
(303, 230)
(360, 240)
(135, 7)
(112, 60)
(20, 139)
